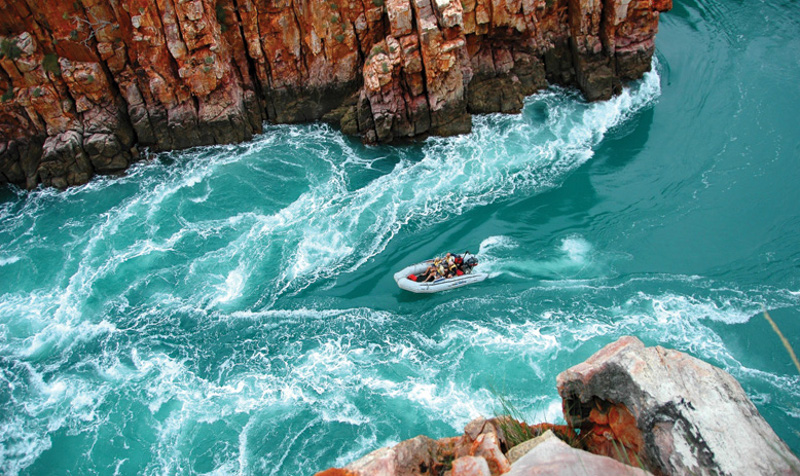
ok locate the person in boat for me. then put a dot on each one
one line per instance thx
(452, 270)
(459, 261)
(428, 275)
(443, 265)
(455, 263)
(440, 264)
(432, 276)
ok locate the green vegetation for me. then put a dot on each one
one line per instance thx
(209, 60)
(447, 462)
(8, 95)
(378, 3)
(50, 64)
(73, 35)
(377, 49)
(511, 422)
(9, 48)
(222, 17)
(334, 19)
(90, 78)
(516, 431)
(385, 67)
(623, 456)
(37, 93)
(339, 38)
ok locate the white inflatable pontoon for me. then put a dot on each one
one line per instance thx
(441, 284)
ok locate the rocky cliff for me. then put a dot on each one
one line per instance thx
(86, 84)
(630, 410)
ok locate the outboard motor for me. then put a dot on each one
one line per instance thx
(469, 262)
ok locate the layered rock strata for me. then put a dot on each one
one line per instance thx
(630, 409)
(86, 84)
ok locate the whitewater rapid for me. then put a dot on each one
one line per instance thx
(230, 309)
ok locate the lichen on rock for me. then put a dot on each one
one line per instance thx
(637, 410)
(169, 74)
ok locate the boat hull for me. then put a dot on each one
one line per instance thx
(441, 284)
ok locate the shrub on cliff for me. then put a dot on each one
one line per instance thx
(50, 64)
(9, 48)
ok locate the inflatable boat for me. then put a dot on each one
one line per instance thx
(410, 277)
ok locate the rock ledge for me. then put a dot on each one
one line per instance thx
(630, 409)
(86, 84)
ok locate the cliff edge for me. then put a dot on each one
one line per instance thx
(630, 410)
(85, 84)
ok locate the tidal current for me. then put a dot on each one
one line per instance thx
(231, 309)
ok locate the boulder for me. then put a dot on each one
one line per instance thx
(487, 446)
(410, 457)
(478, 452)
(552, 457)
(670, 412)
(523, 448)
(470, 466)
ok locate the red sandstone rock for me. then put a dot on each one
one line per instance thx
(470, 466)
(336, 472)
(644, 407)
(169, 74)
(670, 412)
(487, 447)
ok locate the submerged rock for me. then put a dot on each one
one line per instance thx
(98, 80)
(670, 412)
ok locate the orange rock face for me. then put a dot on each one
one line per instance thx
(609, 430)
(85, 84)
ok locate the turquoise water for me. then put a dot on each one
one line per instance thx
(231, 309)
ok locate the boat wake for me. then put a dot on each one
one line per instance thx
(573, 259)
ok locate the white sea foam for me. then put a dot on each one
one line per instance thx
(352, 366)
(21, 445)
(332, 226)
(496, 243)
(6, 260)
(336, 228)
(575, 259)
(427, 375)
(233, 286)
(576, 248)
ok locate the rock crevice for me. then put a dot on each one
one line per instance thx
(86, 84)
(629, 409)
